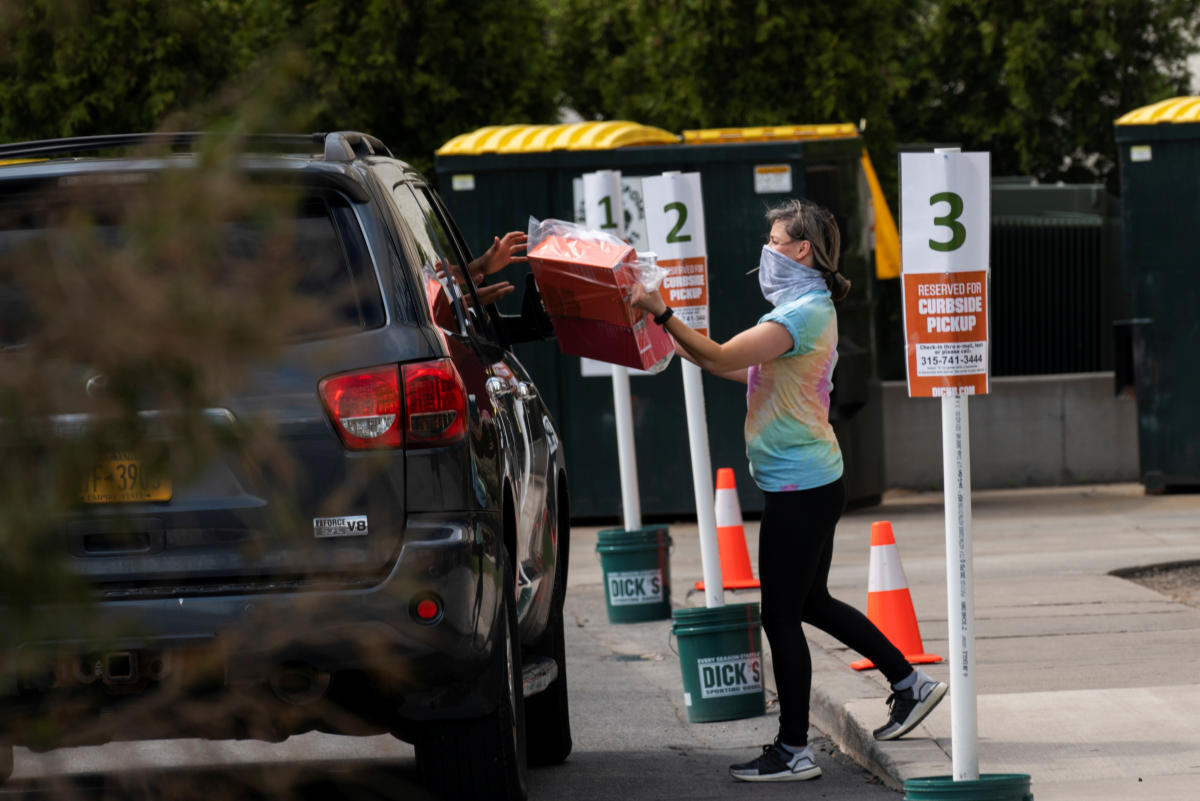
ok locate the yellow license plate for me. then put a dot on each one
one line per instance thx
(124, 479)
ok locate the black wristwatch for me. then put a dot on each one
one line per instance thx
(661, 319)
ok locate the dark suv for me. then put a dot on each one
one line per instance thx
(414, 582)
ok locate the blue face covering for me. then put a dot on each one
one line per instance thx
(782, 279)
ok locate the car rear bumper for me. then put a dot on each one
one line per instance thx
(420, 669)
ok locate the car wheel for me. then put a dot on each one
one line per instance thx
(483, 758)
(6, 762)
(547, 718)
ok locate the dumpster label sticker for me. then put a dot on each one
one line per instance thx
(772, 178)
(730, 675)
(463, 182)
(1140, 153)
(635, 587)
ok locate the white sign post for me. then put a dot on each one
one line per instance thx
(945, 210)
(603, 212)
(675, 231)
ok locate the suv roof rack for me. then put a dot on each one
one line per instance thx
(338, 146)
(348, 145)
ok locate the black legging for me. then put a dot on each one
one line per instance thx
(795, 548)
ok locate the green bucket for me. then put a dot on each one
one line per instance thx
(988, 787)
(637, 573)
(720, 655)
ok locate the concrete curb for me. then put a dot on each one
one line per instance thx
(837, 695)
(838, 691)
(828, 713)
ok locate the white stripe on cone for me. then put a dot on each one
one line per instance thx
(886, 573)
(728, 512)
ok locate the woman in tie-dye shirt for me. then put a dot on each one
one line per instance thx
(787, 362)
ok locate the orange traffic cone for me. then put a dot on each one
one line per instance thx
(889, 603)
(731, 537)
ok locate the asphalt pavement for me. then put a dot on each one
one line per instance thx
(1086, 682)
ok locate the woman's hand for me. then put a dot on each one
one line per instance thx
(651, 301)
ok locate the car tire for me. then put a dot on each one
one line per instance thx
(6, 762)
(547, 716)
(483, 758)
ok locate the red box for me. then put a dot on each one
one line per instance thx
(583, 284)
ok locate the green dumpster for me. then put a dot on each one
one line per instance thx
(1053, 269)
(495, 178)
(1159, 150)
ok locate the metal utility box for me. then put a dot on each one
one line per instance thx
(1159, 150)
(494, 179)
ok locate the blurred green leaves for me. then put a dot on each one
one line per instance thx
(413, 72)
(1036, 83)
(1039, 84)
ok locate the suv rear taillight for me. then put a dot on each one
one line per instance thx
(365, 407)
(419, 405)
(436, 402)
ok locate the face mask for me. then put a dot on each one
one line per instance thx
(782, 279)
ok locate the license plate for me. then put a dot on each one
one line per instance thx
(124, 479)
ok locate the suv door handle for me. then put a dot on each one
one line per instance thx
(497, 387)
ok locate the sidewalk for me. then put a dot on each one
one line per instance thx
(1086, 682)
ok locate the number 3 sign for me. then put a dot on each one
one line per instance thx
(945, 214)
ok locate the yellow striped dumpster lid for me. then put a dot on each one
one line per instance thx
(772, 133)
(544, 138)
(1175, 109)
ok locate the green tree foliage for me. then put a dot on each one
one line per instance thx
(70, 67)
(413, 72)
(714, 63)
(1036, 83)
(418, 72)
(1039, 84)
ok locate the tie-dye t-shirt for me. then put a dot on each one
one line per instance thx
(789, 441)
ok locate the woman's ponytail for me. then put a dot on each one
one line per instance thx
(839, 285)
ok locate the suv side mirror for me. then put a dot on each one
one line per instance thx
(533, 323)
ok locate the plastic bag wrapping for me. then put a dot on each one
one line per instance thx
(576, 240)
(585, 278)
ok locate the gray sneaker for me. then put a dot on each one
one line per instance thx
(909, 707)
(777, 764)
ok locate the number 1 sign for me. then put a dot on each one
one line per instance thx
(945, 212)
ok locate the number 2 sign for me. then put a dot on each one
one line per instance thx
(675, 230)
(945, 214)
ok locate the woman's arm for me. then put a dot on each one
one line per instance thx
(738, 375)
(753, 346)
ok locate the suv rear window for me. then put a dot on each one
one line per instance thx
(327, 251)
